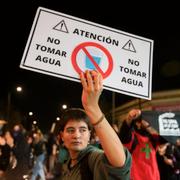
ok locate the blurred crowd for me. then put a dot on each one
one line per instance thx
(27, 155)
(31, 155)
(34, 155)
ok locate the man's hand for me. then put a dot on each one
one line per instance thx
(92, 88)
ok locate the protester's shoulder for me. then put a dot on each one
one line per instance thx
(92, 149)
(98, 160)
(92, 152)
(95, 152)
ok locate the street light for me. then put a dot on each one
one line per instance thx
(64, 106)
(18, 89)
(30, 113)
(57, 118)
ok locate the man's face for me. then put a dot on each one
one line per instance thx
(76, 135)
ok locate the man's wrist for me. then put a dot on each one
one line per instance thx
(99, 121)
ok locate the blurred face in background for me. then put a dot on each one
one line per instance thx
(36, 137)
(16, 130)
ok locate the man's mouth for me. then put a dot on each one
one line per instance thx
(76, 143)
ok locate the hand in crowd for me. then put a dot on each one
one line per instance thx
(162, 149)
(9, 139)
(133, 115)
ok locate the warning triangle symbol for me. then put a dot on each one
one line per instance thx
(61, 26)
(129, 46)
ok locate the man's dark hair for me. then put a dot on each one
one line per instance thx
(76, 114)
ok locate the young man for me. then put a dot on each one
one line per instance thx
(114, 161)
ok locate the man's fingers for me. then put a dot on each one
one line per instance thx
(91, 80)
(83, 80)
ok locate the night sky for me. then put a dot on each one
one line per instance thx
(44, 94)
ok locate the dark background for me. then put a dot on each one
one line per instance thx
(43, 94)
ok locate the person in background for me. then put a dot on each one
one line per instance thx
(114, 161)
(51, 156)
(30, 139)
(19, 147)
(170, 161)
(39, 149)
(5, 151)
(142, 141)
(62, 157)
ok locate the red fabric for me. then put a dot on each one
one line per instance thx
(144, 162)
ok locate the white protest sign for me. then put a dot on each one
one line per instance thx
(168, 124)
(62, 45)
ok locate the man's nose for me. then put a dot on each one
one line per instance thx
(77, 133)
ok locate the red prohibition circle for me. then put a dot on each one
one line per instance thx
(82, 47)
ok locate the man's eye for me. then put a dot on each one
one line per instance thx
(82, 130)
(70, 131)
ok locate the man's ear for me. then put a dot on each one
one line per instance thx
(89, 134)
(61, 136)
